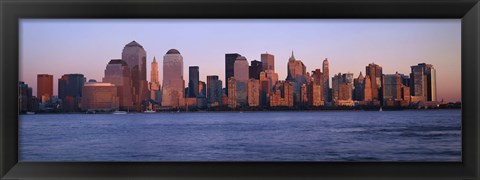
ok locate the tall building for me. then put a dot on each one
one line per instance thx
(374, 71)
(315, 89)
(25, 97)
(232, 92)
(70, 91)
(241, 77)
(392, 87)
(342, 87)
(214, 91)
(359, 85)
(297, 75)
(255, 69)
(282, 94)
(136, 58)
(253, 92)
(367, 89)
(173, 83)
(99, 97)
(423, 82)
(193, 78)
(117, 73)
(326, 81)
(44, 87)
(229, 67)
(268, 61)
(202, 88)
(154, 84)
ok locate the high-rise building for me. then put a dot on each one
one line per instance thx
(282, 94)
(117, 73)
(70, 91)
(423, 82)
(367, 89)
(25, 98)
(342, 87)
(297, 75)
(268, 61)
(202, 88)
(229, 67)
(315, 89)
(214, 91)
(136, 58)
(173, 83)
(193, 78)
(392, 87)
(241, 77)
(255, 69)
(359, 85)
(44, 87)
(326, 81)
(232, 92)
(253, 92)
(154, 84)
(99, 97)
(374, 71)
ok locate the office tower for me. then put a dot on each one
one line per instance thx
(326, 81)
(232, 92)
(229, 68)
(255, 69)
(70, 91)
(44, 87)
(392, 87)
(297, 75)
(99, 97)
(253, 92)
(202, 88)
(154, 84)
(24, 97)
(315, 89)
(282, 94)
(268, 61)
(173, 83)
(193, 78)
(136, 58)
(367, 89)
(214, 91)
(241, 77)
(374, 71)
(117, 73)
(359, 84)
(423, 82)
(336, 81)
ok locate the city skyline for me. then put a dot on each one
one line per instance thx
(415, 32)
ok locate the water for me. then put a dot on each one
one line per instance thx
(430, 135)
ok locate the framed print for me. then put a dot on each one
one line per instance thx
(315, 89)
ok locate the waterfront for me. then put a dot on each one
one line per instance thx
(418, 135)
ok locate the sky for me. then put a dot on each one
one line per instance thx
(85, 46)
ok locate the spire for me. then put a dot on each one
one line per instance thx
(154, 59)
(292, 58)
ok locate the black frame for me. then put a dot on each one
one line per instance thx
(11, 11)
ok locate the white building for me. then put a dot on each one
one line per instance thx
(173, 82)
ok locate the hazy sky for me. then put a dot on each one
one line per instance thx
(86, 46)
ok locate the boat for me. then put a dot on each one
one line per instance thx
(30, 113)
(119, 112)
(380, 109)
(149, 111)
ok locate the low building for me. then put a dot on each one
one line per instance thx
(99, 97)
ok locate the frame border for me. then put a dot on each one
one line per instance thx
(11, 11)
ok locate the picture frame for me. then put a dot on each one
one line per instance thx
(467, 10)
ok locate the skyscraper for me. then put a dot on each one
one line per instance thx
(241, 77)
(392, 87)
(44, 87)
(268, 61)
(374, 71)
(70, 91)
(117, 73)
(296, 73)
(423, 82)
(173, 83)
(193, 78)
(214, 91)
(25, 98)
(326, 81)
(255, 69)
(253, 92)
(229, 67)
(154, 85)
(136, 58)
(359, 84)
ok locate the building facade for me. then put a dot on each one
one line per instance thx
(117, 73)
(374, 71)
(253, 92)
(193, 79)
(44, 87)
(268, 61)
(229, 67)
(214, 91)
(99, 97)
(154, 84)
(173, 90)
(136, 58)
(241, 76)
(70, 91)
(255, 69)
(423, 82)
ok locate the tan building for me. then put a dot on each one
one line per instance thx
(154, 85)
(253, 92)
(367, 89)
(283, 94)
(99, 96)
(44, 87)
(173, 93)
(232, 92)
(136, 58)
(118, 74)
